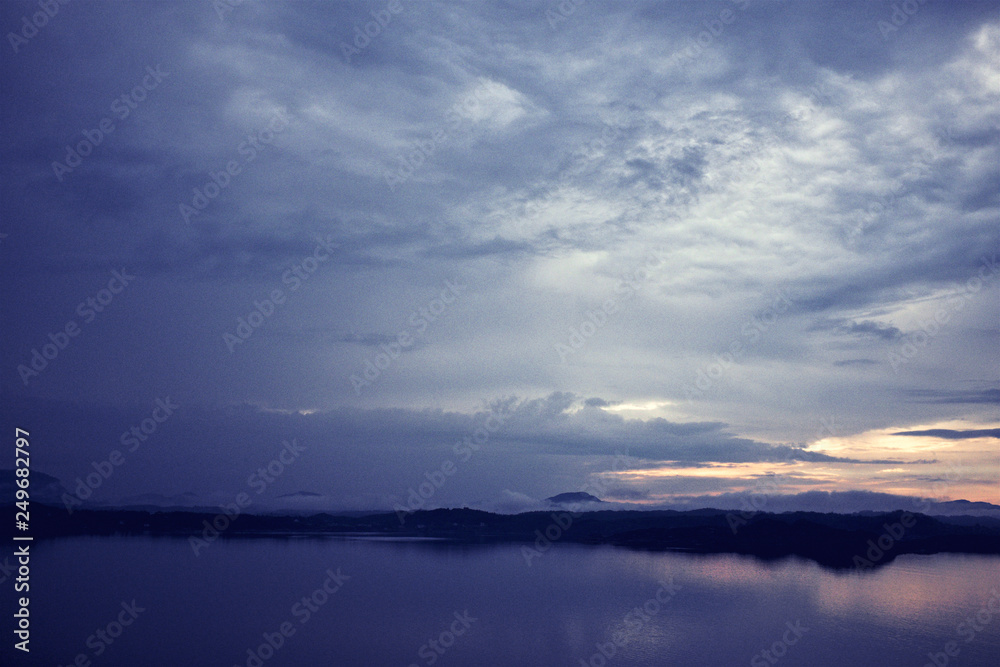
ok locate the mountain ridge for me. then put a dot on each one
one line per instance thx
(832, 540)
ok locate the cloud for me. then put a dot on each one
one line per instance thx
(855, 362)
(627, 494)
(876, 329)
(354, 452)
(950, 434)
(947, 397)
(799, 153)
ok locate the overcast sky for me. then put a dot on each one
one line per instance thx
(727, 239)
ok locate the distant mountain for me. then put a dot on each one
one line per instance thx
(298, 502)
(43, 488)
(574, 497)
(48, 489)
(159, 500)
(966, 505)
(839, 502)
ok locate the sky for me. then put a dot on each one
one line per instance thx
(503, 250)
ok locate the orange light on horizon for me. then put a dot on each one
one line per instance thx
(925, 466)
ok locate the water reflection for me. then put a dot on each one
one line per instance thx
(401, 601)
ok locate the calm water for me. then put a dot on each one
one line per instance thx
(724, 610)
